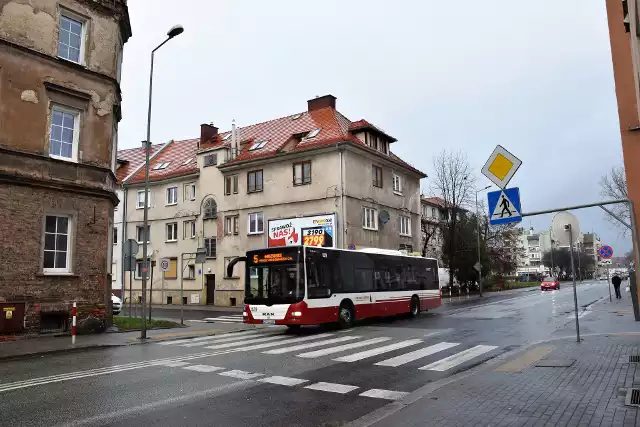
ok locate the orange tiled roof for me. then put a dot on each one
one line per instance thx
(363, 124)
(176, 153)
(436, 201)
(132, 158)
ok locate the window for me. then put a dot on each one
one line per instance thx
(297, 116)
(71, 35)
(377, 176)
(140, 269)
(172, 196)
(227, 136)
(189, 231)
(57, 244)
(186, 162)
(160, 165)
(172, 232)
(231, 224)
(210, 247)
(369, 218)
(191, 272)
(384, 147)
(190, 191)
(258, 144)
(115, 235)
(405, 226)
(140, 235)
(63, 134)
(254, 181)
(210, 160)
(434, 213)
(172, 274)
(397, 183)
(230, 184)
(302, 173)
(256, 223)
(140, 200)
(210, 209)
(313, 133)
(227, 260)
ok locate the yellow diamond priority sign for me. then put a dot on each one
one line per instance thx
(501, 166)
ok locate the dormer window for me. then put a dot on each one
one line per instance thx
(313, 133)
(258, 144)
(161, 165)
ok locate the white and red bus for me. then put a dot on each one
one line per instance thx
(308, 285)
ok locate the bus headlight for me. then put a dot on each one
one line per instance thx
(296, 314)
(244, 314)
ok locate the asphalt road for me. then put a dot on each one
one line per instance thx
(270, 377)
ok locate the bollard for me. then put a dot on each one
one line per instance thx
(74, 313)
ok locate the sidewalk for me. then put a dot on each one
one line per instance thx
(28, 347)
(588, 388)
(463, 298)
(189, 308)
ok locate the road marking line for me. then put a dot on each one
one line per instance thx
(437, 332)
(287, 381)
(221, 339)
(243, 375)
(332, 387)
(384, 394)
(203, 368)
(418, 354)
(284, 342)
(374, 352)
(224, 319)
(458, 358)
(211, 337)
(524, 360)
(249, 341)
(310, 345)
(173, 364)
(331, 350)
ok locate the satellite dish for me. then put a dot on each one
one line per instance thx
(562, 222)
(384, 217)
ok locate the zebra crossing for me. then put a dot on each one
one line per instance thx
(233, 318)
(430, 352)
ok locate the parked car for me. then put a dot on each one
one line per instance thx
(549, 283)
(116, 303)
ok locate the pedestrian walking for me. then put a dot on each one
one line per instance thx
(616, 285)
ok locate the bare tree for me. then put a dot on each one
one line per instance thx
(614, 186)
(429, 229)
(453, 181)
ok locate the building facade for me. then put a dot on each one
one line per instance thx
(534, 246)
(433, 215)
(60, 64)
(314, 177)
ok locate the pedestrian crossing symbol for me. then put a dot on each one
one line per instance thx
(504, 206)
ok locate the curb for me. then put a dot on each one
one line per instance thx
(33, 354)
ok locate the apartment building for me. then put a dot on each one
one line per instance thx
(312, 178)
(433, 213)
(591, 244)
(534, 246)
(60, 64)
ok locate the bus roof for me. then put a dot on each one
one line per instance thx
(378, 251)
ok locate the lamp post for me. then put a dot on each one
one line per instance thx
(478, 233)
(174, 31)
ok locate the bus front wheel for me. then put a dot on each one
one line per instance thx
(346, 315)
(414, 307)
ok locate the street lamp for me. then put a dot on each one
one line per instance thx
(174, 31)
(478, 233)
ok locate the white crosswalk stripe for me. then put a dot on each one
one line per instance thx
(418, 354)
(247, 341)
(242, 375)
(208, 337)
(310, 345)
(227, 338)
(283, 381)
(455, 360)
(286, 342)
(331, 350)
(332, 387)
(202, 368)
(384, 394)
(224, 319)
(376, 351)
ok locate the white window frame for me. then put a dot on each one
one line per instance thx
(190, 188)
(140, 263)
(171, 232)
(83, 34)
(69, 249)
(253, 221)
(139, 202)
(369, 218)
(76, 132)
(189, 229)
(405, 225)
(397, 183)
(141, 227)
(171, 201)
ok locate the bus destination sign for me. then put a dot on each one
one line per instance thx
(271, 257)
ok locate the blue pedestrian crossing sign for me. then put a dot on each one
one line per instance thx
(504, 206)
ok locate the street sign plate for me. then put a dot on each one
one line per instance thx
(165, 264)
(477, 266)
(605, 252)
(504, 206)
(501, 166)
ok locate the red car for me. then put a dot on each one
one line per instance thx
(549, 283)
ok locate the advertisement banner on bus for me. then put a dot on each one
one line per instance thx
(315, 230)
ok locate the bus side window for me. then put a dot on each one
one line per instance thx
(397, 279)
(319, 283)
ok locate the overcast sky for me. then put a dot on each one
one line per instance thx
(535, 77)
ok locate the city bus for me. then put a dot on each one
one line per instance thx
(308, 285)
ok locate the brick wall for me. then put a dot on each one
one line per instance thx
(22, 209)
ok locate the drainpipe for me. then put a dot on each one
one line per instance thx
(343, 224)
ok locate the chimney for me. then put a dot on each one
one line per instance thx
(321, 102)
(208, 133)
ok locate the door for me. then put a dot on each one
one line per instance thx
(211, 288)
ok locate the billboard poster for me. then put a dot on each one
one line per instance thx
(317, 230)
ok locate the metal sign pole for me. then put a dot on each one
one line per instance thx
(181, 290)
(573, 276)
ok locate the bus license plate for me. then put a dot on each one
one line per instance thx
(268, 322)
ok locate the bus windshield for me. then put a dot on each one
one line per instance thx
(274, 277)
